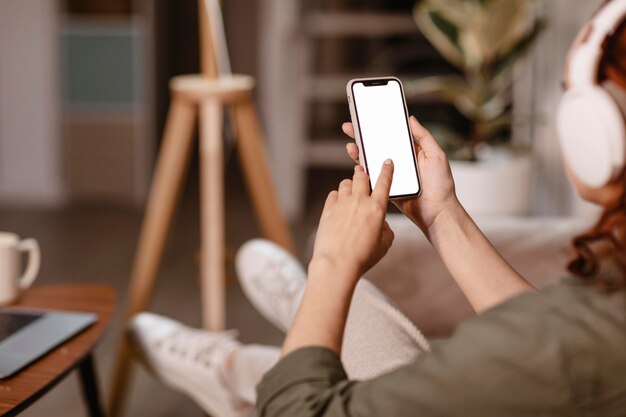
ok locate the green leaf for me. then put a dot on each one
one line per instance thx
(453, 144)
(500, 24)
(510, 57)
(446, 27)
(473, 48)
(452, 89)
(493, 127)
(484, 39)
(435, 85)
(444, 41)
(495, 105)
(453, 10)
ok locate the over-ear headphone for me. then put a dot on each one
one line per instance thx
(590, 119)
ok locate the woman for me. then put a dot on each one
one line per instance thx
(560, 351)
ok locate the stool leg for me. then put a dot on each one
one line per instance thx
(258, 178)
(169, 173)
(212, 268)
(89, 384)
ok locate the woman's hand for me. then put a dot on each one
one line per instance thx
(353, 235)
(437, 184)
(351, 238)
(485, 277)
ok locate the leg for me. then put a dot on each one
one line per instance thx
(260, 185)
(89, 384)
(212, 268)
(378, 337)
(377, 340)
(212, 368)
(169, 173)
(245, 367)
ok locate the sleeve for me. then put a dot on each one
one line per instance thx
(506, 362)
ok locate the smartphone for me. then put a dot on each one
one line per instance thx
(381, 129)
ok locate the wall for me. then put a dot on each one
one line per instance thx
(30, 172)
(538, 92)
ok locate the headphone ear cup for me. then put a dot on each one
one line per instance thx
(618, 95)
(592, 135)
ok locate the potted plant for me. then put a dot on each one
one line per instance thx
(483, 39)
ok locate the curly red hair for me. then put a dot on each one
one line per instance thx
(601, 252)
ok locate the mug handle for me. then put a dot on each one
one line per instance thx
(34, 260)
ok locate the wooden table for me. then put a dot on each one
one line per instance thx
(20, 391)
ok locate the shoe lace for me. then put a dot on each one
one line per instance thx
(196, 345)
(278, 275)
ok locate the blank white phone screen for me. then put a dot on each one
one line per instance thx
(385, 134)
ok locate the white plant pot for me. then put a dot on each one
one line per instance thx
(500, 184)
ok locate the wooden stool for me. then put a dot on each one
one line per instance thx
(204, 96)
(195, 95)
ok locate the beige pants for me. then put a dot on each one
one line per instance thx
(377, 340)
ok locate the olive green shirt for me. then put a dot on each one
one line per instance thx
(558, 352)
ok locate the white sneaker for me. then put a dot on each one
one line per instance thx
(272, 279)
(188, 360)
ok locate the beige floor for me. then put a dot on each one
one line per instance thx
(96, 244)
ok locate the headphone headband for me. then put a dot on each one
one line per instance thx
(586, 57)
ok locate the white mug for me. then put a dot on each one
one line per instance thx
(12, 281)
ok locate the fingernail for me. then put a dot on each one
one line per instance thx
(413, 117)
(388, 161)
(356, 168)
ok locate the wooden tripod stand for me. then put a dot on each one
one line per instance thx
(204, 96)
